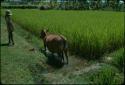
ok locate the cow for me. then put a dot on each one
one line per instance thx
(55, 44)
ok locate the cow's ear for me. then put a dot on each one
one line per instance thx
(42, 31)
(47, 30)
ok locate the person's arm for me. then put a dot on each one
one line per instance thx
(12, 26)
(5, 18)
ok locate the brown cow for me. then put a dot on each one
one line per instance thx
(55, 44)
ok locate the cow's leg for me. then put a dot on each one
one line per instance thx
(44, 47)
(65, 51)
(62, 56)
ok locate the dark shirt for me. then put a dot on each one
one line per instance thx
(9, 23)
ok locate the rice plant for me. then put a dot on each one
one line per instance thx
(90, 33)
(106, 75)
(116, 58)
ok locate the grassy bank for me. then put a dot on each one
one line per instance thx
(17, 60)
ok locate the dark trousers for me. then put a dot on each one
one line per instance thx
(10, 37)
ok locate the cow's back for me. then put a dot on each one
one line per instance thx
(54, 43)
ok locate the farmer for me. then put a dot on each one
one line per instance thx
(10, 27)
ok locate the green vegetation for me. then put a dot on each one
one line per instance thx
(20, 7)
(89, 33)
(114, 5)
(16, 61)
(100, 73)
(106, 75)
(116, 58)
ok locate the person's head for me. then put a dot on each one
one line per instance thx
(8, 13)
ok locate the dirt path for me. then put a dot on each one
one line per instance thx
(32, 64)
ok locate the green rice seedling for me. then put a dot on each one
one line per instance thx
(89, 33)
(116, 58)
(106, 75)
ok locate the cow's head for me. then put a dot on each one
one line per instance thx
(43, 33)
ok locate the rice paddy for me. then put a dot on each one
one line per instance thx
(90, 33)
